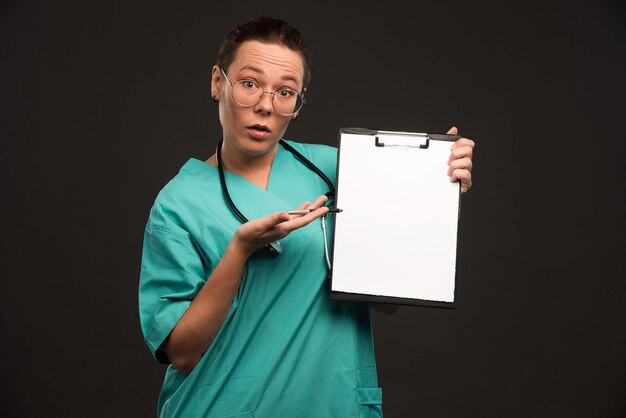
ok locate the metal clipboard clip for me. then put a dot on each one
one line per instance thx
(402, 139)
(410, 139)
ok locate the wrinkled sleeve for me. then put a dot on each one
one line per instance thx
(172, 274)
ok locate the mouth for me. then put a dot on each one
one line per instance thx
(259, 131)
(260, 128)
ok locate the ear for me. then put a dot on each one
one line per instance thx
(216, 83)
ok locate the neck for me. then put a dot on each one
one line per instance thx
(254, 168)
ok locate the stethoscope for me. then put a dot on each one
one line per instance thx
(274, 249)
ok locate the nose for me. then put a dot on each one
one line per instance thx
(265, 104)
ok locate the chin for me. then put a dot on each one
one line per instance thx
(256, 148)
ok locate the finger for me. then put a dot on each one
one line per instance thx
(452, 131)
(269, 222)
(458, 153)
(318, 202)
(463, 164)
(301, 221)
(458, 174)
(463, 142)
(309, 217)
(258, 232)
(304, 205)
(276, 226)
(464, 177)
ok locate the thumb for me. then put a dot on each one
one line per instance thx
(453, 131)
(276, 218)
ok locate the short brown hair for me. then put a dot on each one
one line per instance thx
(267, 30)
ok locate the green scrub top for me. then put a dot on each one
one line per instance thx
(285, 349)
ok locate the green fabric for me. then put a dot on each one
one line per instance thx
(285, 349)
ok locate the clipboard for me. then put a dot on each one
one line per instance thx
(395, 240)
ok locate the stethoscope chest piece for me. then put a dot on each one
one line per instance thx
(274, 249)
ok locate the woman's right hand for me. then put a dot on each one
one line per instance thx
(257, 233)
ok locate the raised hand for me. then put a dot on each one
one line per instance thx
(460, 161)
(259, 232)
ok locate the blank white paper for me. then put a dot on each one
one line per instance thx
(397, 233)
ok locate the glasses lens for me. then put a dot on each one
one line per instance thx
(287, 101)
(247, 92)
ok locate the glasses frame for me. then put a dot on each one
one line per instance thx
(273, 93)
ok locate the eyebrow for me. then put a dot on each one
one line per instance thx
(260, 71)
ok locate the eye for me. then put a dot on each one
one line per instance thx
(249, 84)
(286, 93)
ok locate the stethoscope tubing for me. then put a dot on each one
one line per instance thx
(273, 248)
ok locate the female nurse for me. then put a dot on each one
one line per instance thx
(246, 333)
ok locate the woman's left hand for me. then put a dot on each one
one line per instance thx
(460, 161)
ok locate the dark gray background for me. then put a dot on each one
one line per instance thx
(102, 102)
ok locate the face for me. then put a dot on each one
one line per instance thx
(256, 130)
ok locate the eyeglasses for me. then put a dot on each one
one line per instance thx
(248, 92)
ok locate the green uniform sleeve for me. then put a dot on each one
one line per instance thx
(172, 274)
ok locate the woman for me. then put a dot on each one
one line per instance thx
(248, 334)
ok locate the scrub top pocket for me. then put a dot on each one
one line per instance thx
(370, 402)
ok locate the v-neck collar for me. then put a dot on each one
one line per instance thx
(275, 166)
(252, 200)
